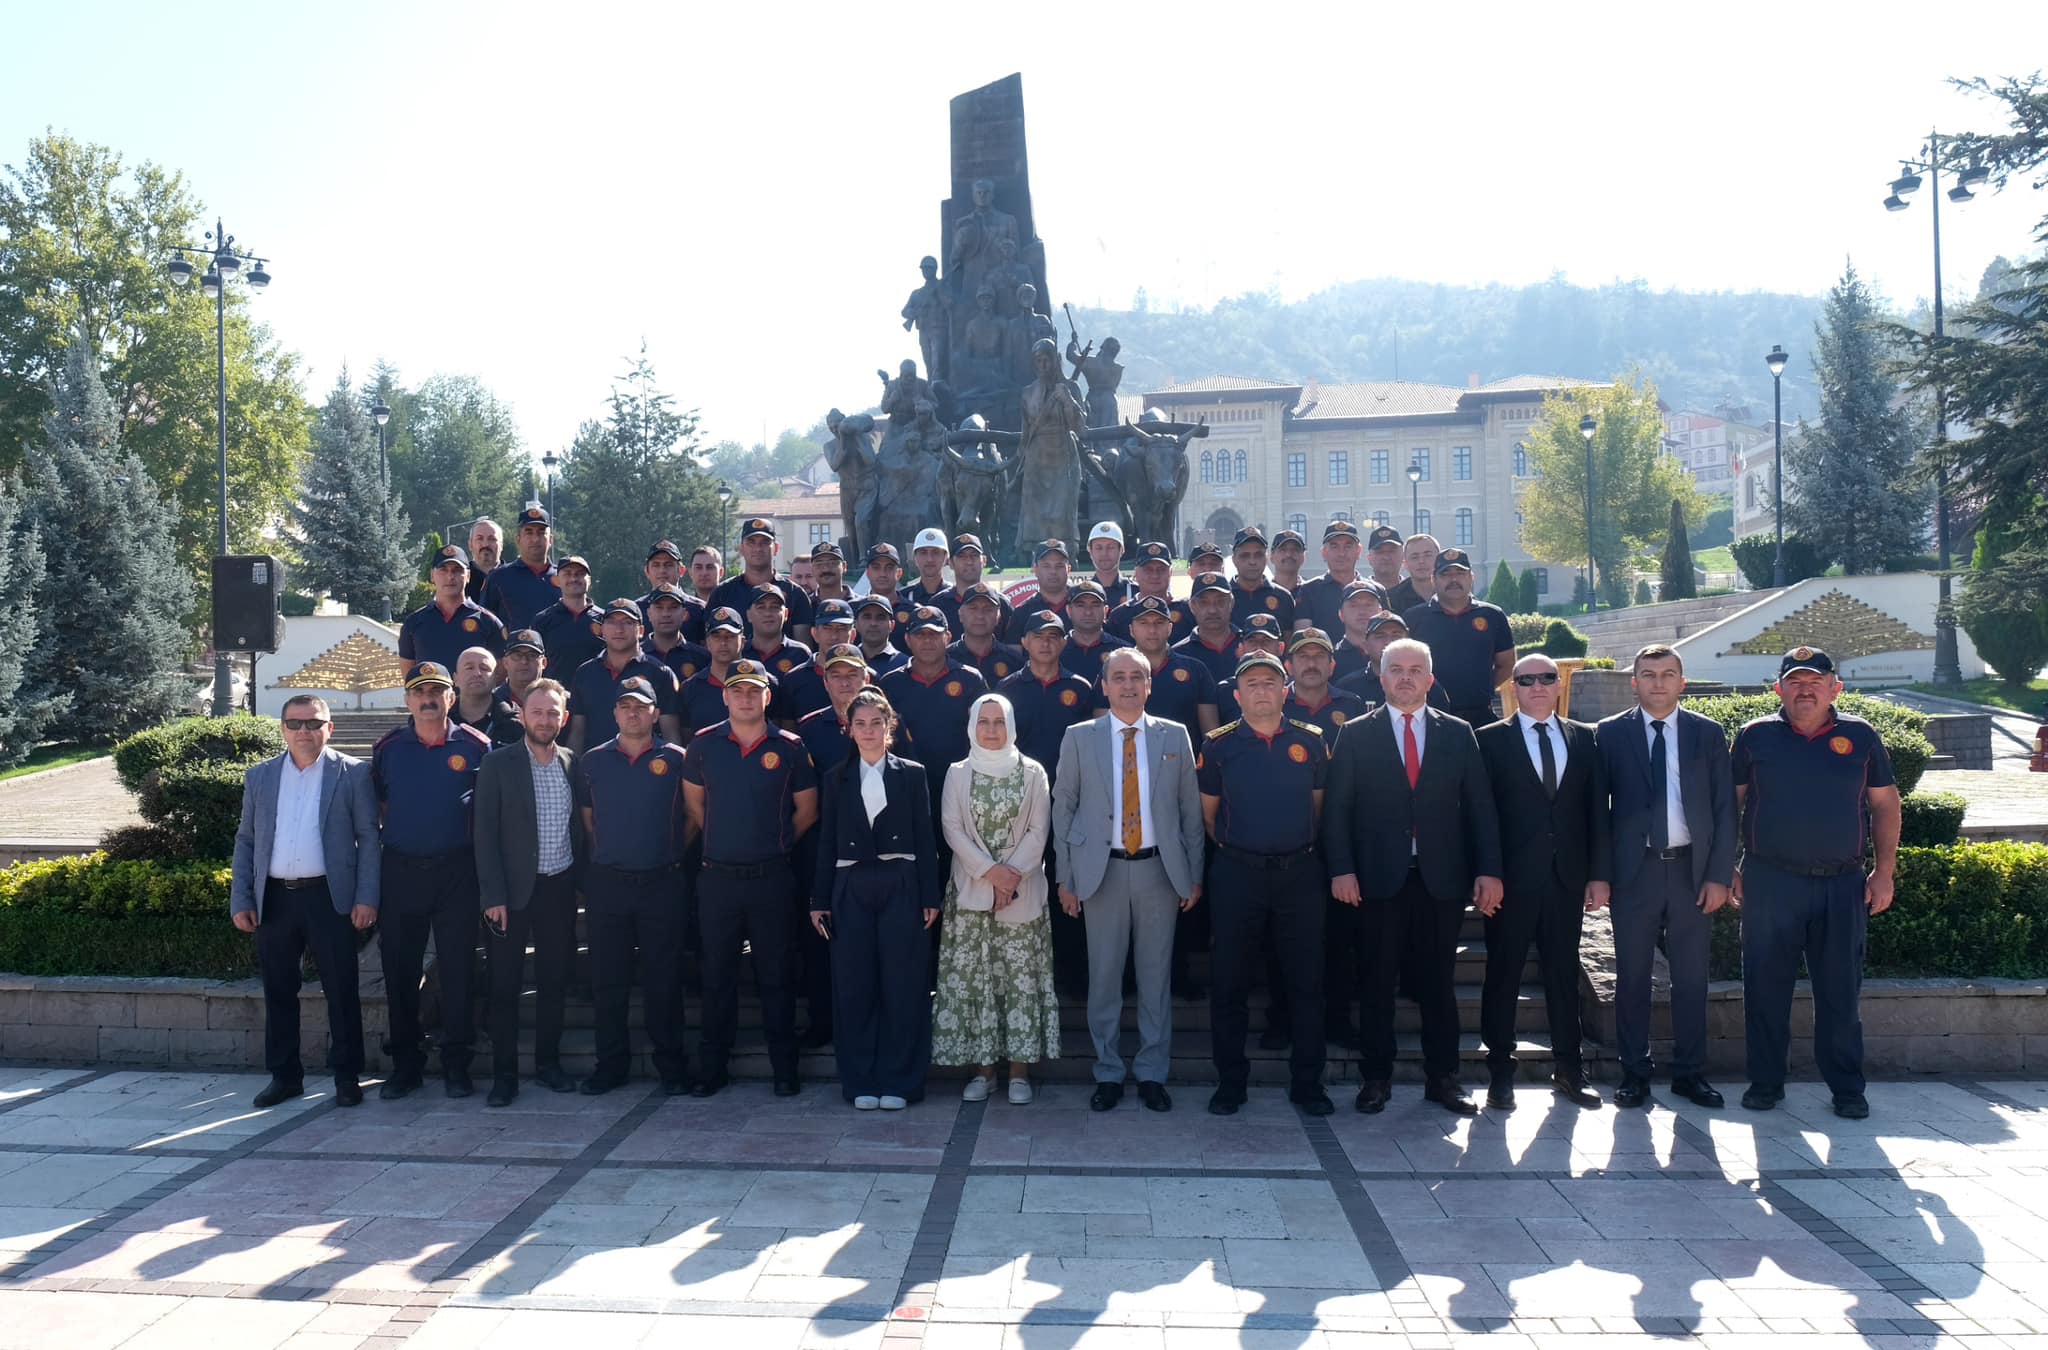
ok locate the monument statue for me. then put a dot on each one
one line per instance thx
(851, 455)
(928, 311)
(1006, 276)
(1027, 329)
(973, 482)
(901, 395)
(1049, 453)
(973, 253)
(907, 478)
(1101, 371)
(1150, 473)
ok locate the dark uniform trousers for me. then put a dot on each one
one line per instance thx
(1250, 894)
(883, 1016)
(1786, 916)
(1414, 931)
(1340, 975)
(813, 951)
(755, 903)
(1661, 903)
(548, 925)
(429, 896)
(643, 911)
(1552, 920)
(297, 919)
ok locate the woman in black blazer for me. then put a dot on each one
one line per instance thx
(877, 893)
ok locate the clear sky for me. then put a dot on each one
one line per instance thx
(523, 192)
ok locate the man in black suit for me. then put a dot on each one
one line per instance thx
(1410, 836)
(1673, 832)
(1550, 786)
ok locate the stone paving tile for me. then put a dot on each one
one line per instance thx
(747, 1124)
(245, 1324)
(1058, 1130)
(139, 1110)
(36, 1320)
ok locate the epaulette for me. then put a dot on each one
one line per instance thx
(471, 731)
(1305, 726)
(1224, 730)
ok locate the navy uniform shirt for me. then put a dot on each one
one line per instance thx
(637, 817)
(1221, 661)
(1000, 664)
(425, 789)
(1461, 649)
(686, 658)
(1180, 688)
(515, 592)
(936, 711)
(947, 602)
(1115, 592)
(429, 635)
(1264, 785)
(500, 722)
(825, 736)
(1265, 598)
(1805, 804)
(1340, 707)
(1087, 661)
(703, 701)
(916, 594)
(571, 638)
(1119, 620)
(749, 792)
(594, 692)
(1349, 658)
(1403, 598)
(1320, 600)
(693, 615)
(885, 660)
(1365, 683)
(782, 661)
(1045, 709)
(737, 594)
(803, 692)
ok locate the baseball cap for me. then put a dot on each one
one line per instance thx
(926, 619)
(1382, 534)
(828, 549)
(1089, 587)
(748, 672)
(724, 619)
(831, 611)
(1389, 620)
(665, 548)
(1151, 604)
(1452, 558)
(429, 672)
(968, 543)
(1107, 529)
(1049, 547)
(980, 590)
(628, 607)
(667, 590)
(633, 686)
(1261, 625)
(1154, 552)
(881, 551)
(1045, 621)
(1339, 529)
(535, 515)
(1310, 637)
(1262, 660)
(872, 601)
(841, 654)
(1205, 549)
(1206, 582)
(451, 553)
(928, 538)
(768, 592)
(754, 526)
(525, 639)
(1250, 534)
(1366, 586)
(573, 560)
(1805, 658)
(1289, 537)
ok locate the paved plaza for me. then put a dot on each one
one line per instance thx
(159, 1209)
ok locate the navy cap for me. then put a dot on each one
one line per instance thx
(535, 515)
(667, 590)
(724, 619)
(1250, 534)
(749, 672)
(1154, 552)
(756, 525)
(967, 543)
(828, 549)
(429, 672)
(1289, 537)
(1261, 625)
(980, 590)
(1806, 658)
(524, 639)
(1205, 549)
(873, 601)
(768, 592)
(623, 605)
(1087, 586)
(1151, 604)
(880, 551)
(573, 560)
(1366, 586)
(634, 687)
(665, 548)
(1452, 558)
(1262, 661)
(1339, 529)
(1049, 547)
(1207, 582)
(1309, 637)
(1382, 534)
(451, 553)
(1387, 620)
(841, 654)
(927, 619)
(832, 611)
(1045, 621)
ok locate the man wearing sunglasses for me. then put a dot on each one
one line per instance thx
(1550, 790)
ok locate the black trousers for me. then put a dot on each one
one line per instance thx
(548, 925)
(295, 921)
(1340, 971)
(1660, 904)
(1552, 920)
(643, 914)
(429, 896)
(1423, 928)
(1244, 899)
(814, 953)
(1824, 920)
(1069, 932)
(883, 1021)
(760, 911)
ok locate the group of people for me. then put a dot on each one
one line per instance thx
(924, 808)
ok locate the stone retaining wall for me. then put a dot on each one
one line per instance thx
(1965, 737)
(159, 1023)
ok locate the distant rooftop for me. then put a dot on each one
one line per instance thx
(1379, 398)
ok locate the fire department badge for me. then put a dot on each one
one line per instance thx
(1068, 698)
(1802, 653)
(783, 665)
(658, 766)
(952, 689)
(1841, 745)
(1336, 719)
(469, 625)
(1479, 623)
(1272, 602)
(689, 669)
(902, 616)
(771, 760)
(1298, 753)
(1181, 673)
(1002, 669)
(458, 762)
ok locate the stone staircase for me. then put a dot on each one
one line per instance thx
(356, 733)
(1619, 633)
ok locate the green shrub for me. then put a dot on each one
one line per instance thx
(1559, 639)
(93, 883)
(1526, 627)
(145, 842)
(239, 739)
(1755, 557)
(1643, 595)
(1530, 596)
(1903, 731)
(1503, 590)
(188, 777)
(1932, 819)
(203, 802)
(297, 605)
(1598, 663)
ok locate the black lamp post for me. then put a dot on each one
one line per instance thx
(381, 414)
(1587, 426)
(724, 523)
(222, 263)
(1414, 497)
(1947, 661)
(1776, 359)
(551, 461)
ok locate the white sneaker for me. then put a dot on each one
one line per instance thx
(1020, 1092)
(866, 1103)
(893, 1103)
(977, 1088)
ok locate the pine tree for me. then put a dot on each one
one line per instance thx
(339, 517)
(1531, 595)
(112, 588)
(25, 710)
(1502, 590)
(1852, 492)
(1676, 572)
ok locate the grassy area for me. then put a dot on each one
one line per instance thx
(1714, 559)
(53, 757)
(1993, 694)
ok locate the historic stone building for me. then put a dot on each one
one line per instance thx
(1284, 456)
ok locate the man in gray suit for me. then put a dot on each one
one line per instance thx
(307, 857)
(1673, 827)
(1127, 835)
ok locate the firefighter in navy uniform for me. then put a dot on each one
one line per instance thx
(1151, 574)
(569, 628)
(1214, 641)
(1361, 603)
(1088, 639)
(1310, 696)
(664, 567)
(1470, 644)
(874, 626)
(1250, 592)
(1380, 630)
(517, 590)
(450, 623)
(976, 620)
(666, 609)
(425, 773)
(594, 691)
(1317, 600)
(968, 560)
(1261, 635)
(1815, 791)
(1182, 687)
(803, 690)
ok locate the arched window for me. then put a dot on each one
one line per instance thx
(1208, 467)
(1242, 476)
(1521, 461)
(1464, 525)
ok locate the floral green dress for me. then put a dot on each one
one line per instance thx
(996, 998)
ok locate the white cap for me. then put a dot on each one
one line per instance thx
(1107, 529)
(929, 538)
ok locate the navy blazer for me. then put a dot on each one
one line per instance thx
(1548, 841)
(1705, 784)
(905, 825)
(1370, 814)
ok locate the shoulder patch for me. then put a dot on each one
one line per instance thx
(1305, 726)
(1224, 730)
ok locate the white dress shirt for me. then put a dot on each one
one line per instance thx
(1674, 795)
(1116, 781)
(1400, 722)
(295, 851)
(874, 796)
(1556, 735)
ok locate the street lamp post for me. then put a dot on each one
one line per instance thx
(381, 414)
(1947, 661)
(1587, 426)
(724, 522)
(222, 263)
(550, 461)
(1776, 361)
(1414, 498)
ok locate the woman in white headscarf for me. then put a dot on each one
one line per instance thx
(996, 998)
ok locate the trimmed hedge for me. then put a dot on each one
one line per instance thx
(188, 775)
(1559, 639)
(239, 739)
(1903, 731)
(202, 802)
(96, 915)
(1932, 819)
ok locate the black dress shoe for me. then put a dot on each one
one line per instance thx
(1500, 1091)
(1852, 1106)
(600, 1083)
(347, 1091)
(1275, 1038)
(503, 1090)
(1155, 1097)
(1571, 1085)
(1760, 1098)
(1634, 1091)
(278, 1090)
(1372, 1096)
(458, 1083)
(1697, 1090)
(554, 1079)
(1450, 1094)
(1106, 1096)
(399, 1085)
(710, 1085)
(1224, 1101)
(1313, 1101)
(675, 1085)
(788, 1086)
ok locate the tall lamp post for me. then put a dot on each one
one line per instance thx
(1587, 426)
(1776, 359)
(1414, 498)
(551, 461)
(724, 523)
(1947, 662)
(222, 263)
(380, 413)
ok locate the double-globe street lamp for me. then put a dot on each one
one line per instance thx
(1775, 359)
(551, 461)
(1414, 497)
(380, 413)
(222, 264)
(1947, 663)
(1587, 426)
(724, 524)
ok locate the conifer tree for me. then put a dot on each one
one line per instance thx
(339, 521)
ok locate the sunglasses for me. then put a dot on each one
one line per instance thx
(304, 723)
(1543, 677)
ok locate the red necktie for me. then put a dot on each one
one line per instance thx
(1410, 755)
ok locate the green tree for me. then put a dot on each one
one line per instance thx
(339, 522)
(1530, 595)
(1854, 495)
(2004, 608)
(25, 710)
(1676, 574)
(1502, 590)
(1716, 529)
(1634, 482)
(457, 453)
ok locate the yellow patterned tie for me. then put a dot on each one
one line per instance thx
(1134, 825)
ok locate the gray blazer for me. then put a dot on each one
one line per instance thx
(349, 836)
(1087, 811)
(505, 829)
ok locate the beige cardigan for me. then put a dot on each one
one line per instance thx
(1024, 850)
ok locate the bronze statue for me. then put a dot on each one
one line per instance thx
(1027, 330)
(851, 455)
(1103, 375)
(1006, 275)
(973, 252)
(927, 311)
(900, 396)
(1049, 480)
(972, 483)
(907, 478)
(1150, 473)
